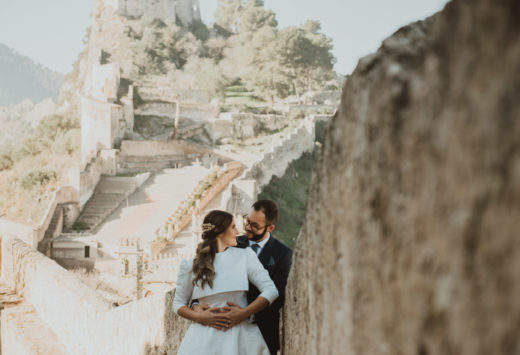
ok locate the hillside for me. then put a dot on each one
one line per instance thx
(21, 78)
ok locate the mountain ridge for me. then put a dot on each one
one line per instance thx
(22, 78)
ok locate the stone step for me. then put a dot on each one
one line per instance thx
(54, 222)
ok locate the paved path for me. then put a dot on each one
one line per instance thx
(150, 205)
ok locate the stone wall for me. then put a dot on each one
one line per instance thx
(33, 234)
(188, 11)
(195, 112)
(83, 321)
(162, 9)
(242, 192)
(149, 148)
(244, 125)
(170, 94)
(410, 244)
(166, 10)
(103, 82)
(102, 125)
(103, 164)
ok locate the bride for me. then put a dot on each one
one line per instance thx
(217, 275)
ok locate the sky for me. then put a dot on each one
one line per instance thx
(51, 32)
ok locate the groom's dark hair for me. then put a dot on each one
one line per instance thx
(269, 208)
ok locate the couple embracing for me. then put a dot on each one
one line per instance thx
(234, 287)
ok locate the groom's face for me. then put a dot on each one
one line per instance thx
(256, 226)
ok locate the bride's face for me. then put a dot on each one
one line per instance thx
(229, 236)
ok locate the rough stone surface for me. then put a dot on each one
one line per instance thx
(81, 319)
(24, 332)
(411, 239)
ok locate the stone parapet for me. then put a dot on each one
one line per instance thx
(410, 243)
(242, 192)
(171, 95)
(83, 321)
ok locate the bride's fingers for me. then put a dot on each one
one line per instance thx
(222, 324)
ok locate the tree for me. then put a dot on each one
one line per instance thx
(264, 74)
(306, 57)
(252, 18)
(207, 74)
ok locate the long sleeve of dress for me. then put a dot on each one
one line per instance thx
(259, 277)
(184, 288)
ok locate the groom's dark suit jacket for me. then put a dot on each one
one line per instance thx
(276, 258)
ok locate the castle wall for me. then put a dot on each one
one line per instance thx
(59, 297)
(103, 82)
(84, 322)
(195, 112)
(96, 129)
(103, 164)
(146, 148)
(241, 193)
(188, 11)
(168, 94)
(243, 125)
(161, 9)
(410, 244)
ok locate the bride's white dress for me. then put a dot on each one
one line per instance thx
(234, 268)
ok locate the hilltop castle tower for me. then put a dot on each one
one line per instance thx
(167, 10)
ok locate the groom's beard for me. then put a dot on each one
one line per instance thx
(256, 237)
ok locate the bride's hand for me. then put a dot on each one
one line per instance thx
(235, 313)
(213, 317)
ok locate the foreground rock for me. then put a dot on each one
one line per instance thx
(411, 241)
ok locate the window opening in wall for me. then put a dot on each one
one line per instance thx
(87, 251)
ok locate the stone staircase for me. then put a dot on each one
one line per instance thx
(50, 233)
(110, 193)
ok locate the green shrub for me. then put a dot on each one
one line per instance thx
(79, 226)
(68, 143)
(6, 162)
(38, 178)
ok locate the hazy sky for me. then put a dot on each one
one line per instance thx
(51, 31)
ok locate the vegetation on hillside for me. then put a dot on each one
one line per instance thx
(21, 79)
(290, 193)
(30, 171)
(244, 47)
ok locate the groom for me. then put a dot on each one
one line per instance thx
(276, 259)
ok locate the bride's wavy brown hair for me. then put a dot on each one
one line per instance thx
(203, 267)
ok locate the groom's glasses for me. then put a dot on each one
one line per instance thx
(254, 227)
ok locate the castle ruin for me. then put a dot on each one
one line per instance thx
(186, 11)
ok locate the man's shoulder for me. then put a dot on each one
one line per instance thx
(279, 246)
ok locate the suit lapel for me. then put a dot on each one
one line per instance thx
(266, 252)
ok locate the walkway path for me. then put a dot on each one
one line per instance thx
(149, 206)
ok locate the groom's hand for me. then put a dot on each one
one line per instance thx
(199, 307)
(235, 313)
